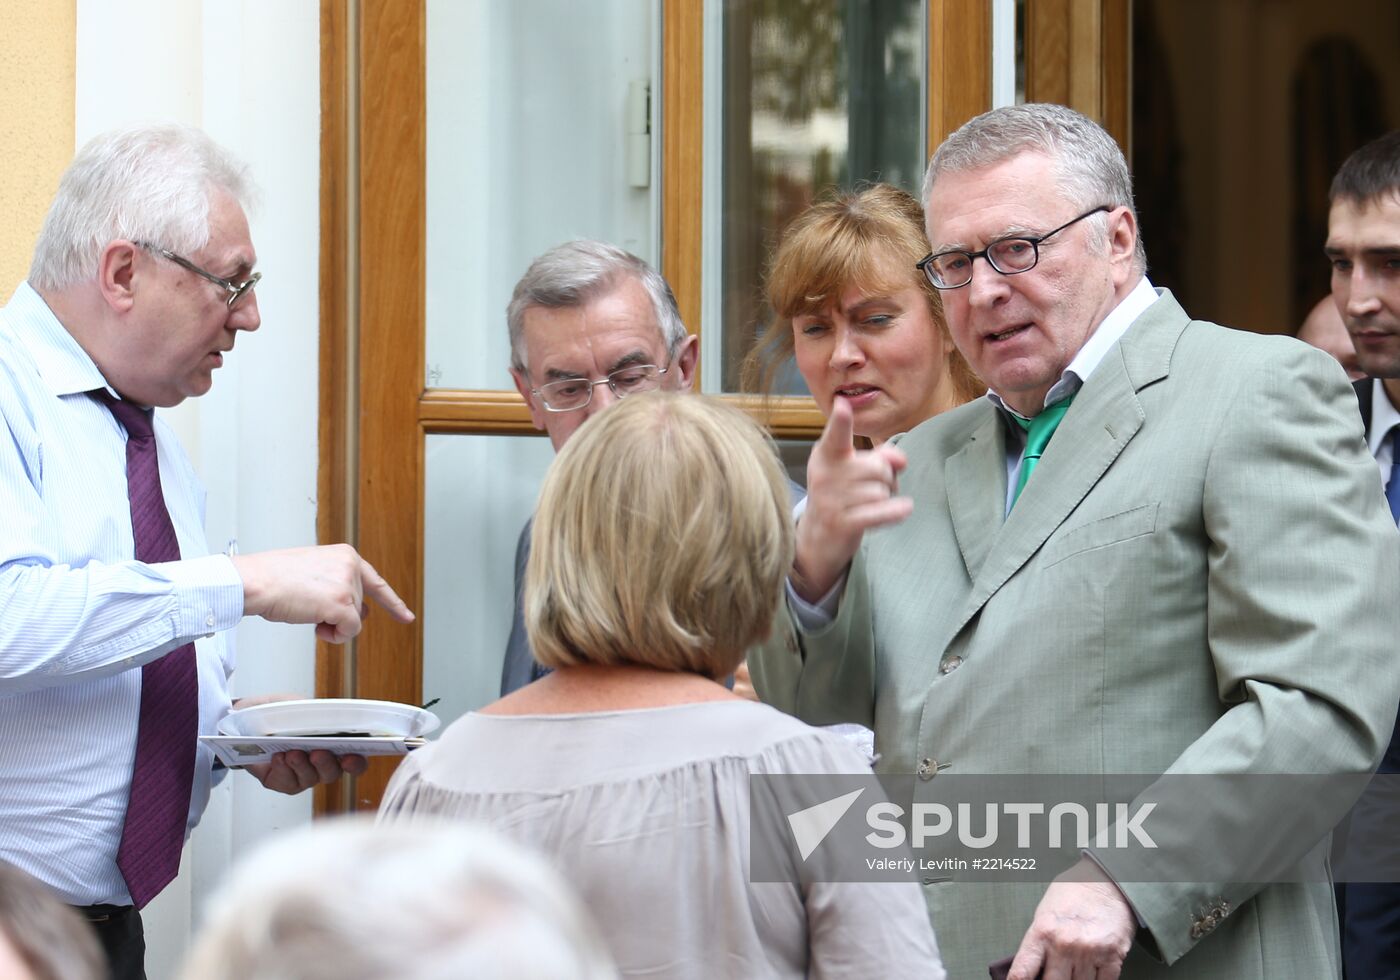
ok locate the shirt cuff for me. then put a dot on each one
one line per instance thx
(210, 594)
(812, 617)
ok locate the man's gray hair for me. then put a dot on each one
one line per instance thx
(576, 273)
(424, 900)
(141, 184)
(1089, 163)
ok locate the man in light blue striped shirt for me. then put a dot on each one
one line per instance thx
(141, 281)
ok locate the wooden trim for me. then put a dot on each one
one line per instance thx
(443, 410)
(1085, 64)
(1047, 51)
(1078, 54)
(682, 162)
(1118, 72)
(393, 142)
(332, 470)
(959, 64)
(787, 417)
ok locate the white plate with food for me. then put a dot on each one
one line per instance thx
(330, 717)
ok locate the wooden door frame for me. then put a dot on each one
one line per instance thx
(375, 411)
(1078, 53)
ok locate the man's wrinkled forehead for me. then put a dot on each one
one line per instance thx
(968, 208)
(610, 330)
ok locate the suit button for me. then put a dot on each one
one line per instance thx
(950, 665)
(928, 768)
(1205, 925)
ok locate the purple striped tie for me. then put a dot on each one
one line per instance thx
(168, 727)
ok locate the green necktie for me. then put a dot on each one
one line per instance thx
(1038, 433)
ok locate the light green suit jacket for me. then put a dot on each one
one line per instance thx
(1200, 577)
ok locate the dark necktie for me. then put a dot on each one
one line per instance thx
(1392, 489)
(168, 726)
(1038, 432)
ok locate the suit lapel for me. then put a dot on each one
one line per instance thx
(1364, 390)
(1104, 418)
(977, 512)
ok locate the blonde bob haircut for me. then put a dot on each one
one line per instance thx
(850, 239)
(662, 538)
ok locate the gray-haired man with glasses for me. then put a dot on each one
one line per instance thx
(1195, 575)
(115, 622)
(589, 324)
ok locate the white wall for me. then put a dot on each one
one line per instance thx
(247, 71)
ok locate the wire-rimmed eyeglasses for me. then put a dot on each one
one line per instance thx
(1009, 256)
(571, 394)
(236, 290)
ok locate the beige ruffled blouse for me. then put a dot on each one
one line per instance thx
(646, 812)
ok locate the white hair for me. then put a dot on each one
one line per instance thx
(344, 899)
(1088, 162)
(576, 273)
(142, 184)
(49, 937)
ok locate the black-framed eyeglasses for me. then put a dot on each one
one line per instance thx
(236, 290)
(1009, 256)
(571, 394)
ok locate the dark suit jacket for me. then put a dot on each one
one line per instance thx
(519, 667)
(1363, 400)
(1371, 912)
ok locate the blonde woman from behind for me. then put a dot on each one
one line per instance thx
(661, 542)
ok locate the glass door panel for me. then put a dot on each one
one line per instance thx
(480, 490)
(811, 95)
(539, 128)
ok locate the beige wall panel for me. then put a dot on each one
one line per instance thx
(36, 122)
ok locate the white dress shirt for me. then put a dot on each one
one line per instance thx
(1072, 378)
(79, 616)
(1384, 417)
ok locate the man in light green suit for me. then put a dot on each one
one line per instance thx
(1197, 576)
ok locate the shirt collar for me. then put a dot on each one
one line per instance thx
(63, 365)
(1384, 416)
(1109, 332)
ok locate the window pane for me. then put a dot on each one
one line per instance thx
(479, 492)
(794, 453)
(532, 108)
(816, 94)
